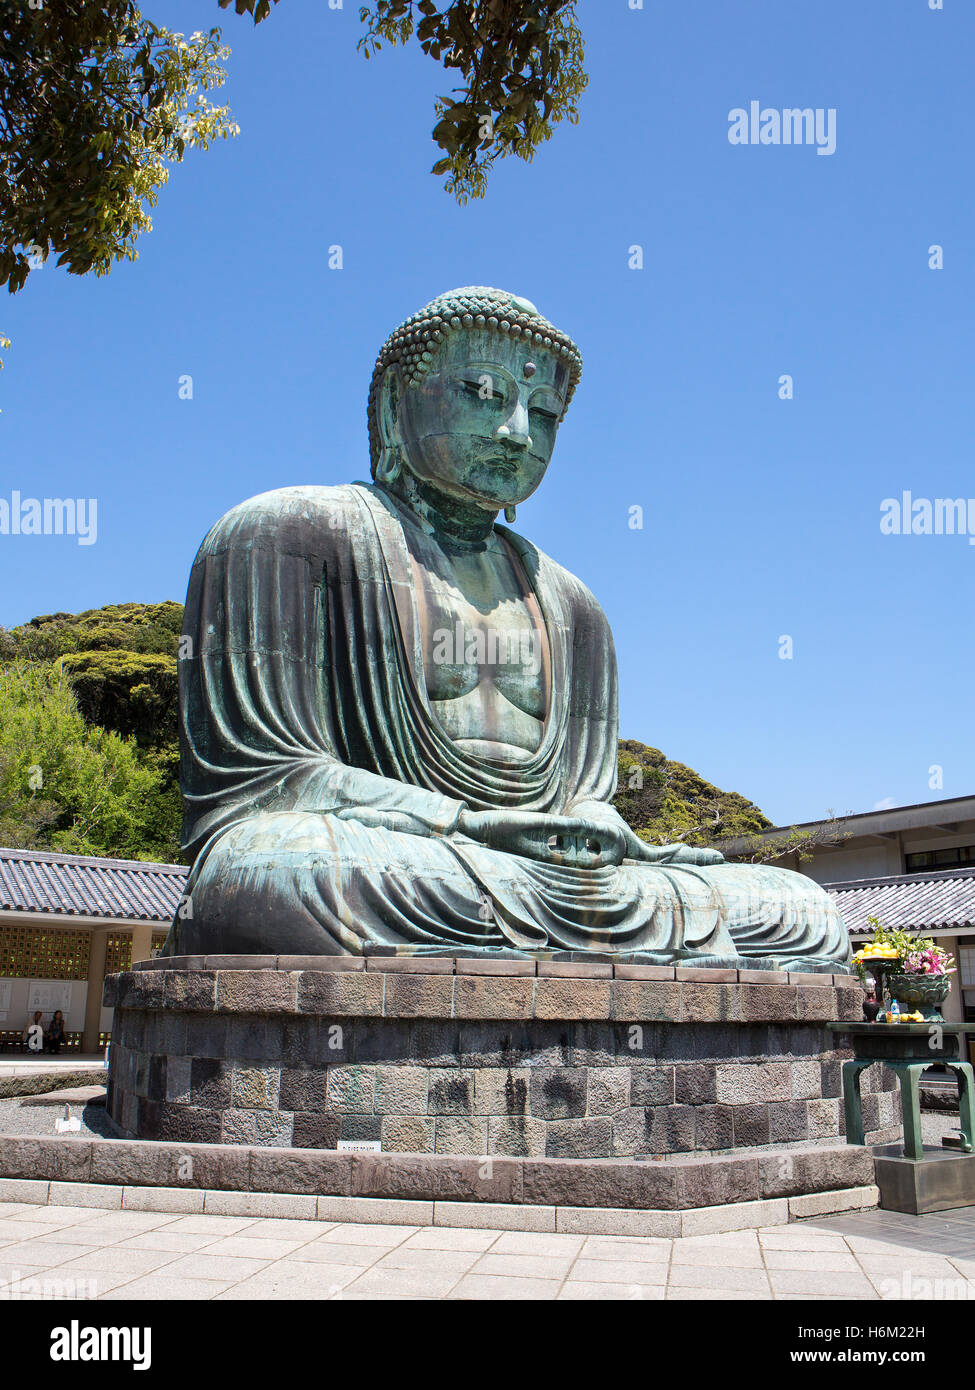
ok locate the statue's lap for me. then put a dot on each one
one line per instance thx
(302, 882)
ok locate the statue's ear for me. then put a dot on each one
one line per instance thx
(388, 413)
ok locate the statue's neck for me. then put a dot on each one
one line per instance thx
(452, 520)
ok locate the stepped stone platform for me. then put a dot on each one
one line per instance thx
(510, 1059)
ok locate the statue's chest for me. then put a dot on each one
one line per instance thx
(483, 643)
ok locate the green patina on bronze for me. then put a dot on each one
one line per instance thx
(399, 718)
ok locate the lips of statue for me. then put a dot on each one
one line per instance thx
(481, 423)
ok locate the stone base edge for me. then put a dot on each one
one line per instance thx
(507, 1216)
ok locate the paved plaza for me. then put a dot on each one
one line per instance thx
(85, 1252)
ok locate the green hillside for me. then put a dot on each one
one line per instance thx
(89, 744)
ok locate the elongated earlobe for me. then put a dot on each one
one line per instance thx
(510, 513)
(390, 464)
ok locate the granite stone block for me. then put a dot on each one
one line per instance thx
(339, 993)
(304, 1089)
(451, 1093)
(609, 1090)
(789, 1121)
(645, 1001)
(191, 991)
(417, 996)
(713, 1128)
(709, 1002)
(760, 1002)
(314, 1130)
(255, 1088)
(738, 1085)
(502, 1092)
(461, 1135)
(401, 1090)
(256, 991)
(493, 996)
(651, 1085)
(694, 1084)
(352, 1089)
(572, 999)
(516, 1135)
(590, 1138)
(751, 1124)
(209, 1083)
(558, 1092)
(412, 1134)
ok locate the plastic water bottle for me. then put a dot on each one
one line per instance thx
(895, 1012)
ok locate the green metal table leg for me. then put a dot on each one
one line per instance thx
(909, 1074)
(851, 1100)
(966, 1102)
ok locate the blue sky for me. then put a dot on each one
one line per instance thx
(761, 515)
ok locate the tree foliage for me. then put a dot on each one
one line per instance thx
(666, 802)
(69, 785)
(521, 64)
(96, 104)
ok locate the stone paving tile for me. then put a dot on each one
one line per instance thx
(820, 1261)
(848, 1285)
(731, 1240)
(222, 1225)
(84, 1235)
(348, 1233)
(795, 1238)
(496, 1288)
(447, 1261)
(45, 1252)
(302, 1278)
(15, 1208)
(288, 1228)
(179, 1242)
(27, 1230)
(524, 1266)
(732, 1257)
(204, 1266)
(157, 1286)
(618, 1272)
(926, 1265)
(330, 1252)
(646, 1250)
(537, 1243)
(718, 1277)
(452, 1238)
(683, 1295)
(258, 1249)
(402, 1283)
(109, 1259)
(576, 1290)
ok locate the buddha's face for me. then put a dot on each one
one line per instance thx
(481, 423)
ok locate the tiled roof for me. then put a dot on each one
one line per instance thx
(929, 901)
(71, 885)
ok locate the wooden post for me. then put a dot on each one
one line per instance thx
(96, 981)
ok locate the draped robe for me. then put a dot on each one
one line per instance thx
(322, 794)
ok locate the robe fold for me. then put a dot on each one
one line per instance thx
(322, 794)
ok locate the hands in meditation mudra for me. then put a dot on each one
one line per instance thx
(399, 719)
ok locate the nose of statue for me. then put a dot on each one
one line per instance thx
(514, 430)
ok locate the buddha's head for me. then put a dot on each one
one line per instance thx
(467, 396)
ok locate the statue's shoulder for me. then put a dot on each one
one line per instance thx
(296, 513)
(573, 594)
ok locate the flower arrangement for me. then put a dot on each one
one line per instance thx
(910, 968)
(906, 953)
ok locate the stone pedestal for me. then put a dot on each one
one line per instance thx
(483, 1057)
(938, 1181)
